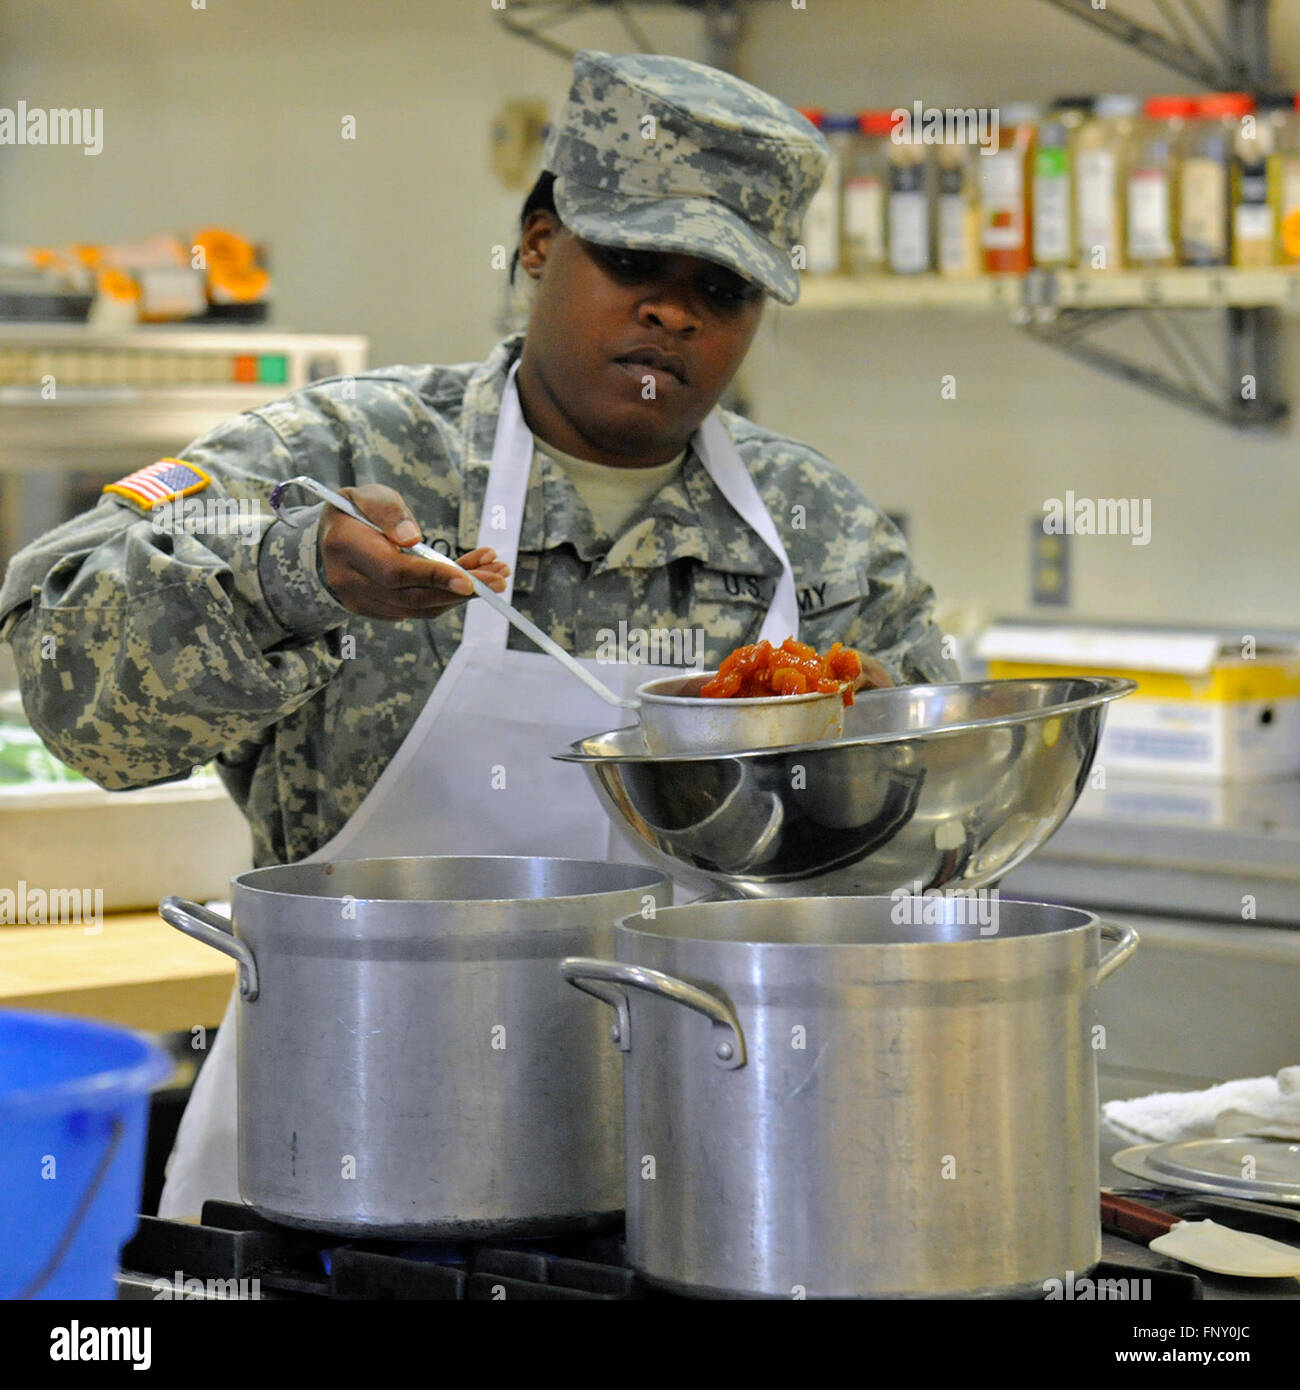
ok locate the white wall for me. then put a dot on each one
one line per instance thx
(232, 114)
(1027, 424)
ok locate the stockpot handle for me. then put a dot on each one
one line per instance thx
(216, 931)
(1126, 940)
(606, 980)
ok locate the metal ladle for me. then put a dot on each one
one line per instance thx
(673, 719)
(427, 552)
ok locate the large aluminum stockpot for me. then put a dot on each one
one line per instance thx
(409, 1060)
(847, 1096)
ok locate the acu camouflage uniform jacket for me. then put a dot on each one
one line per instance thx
(143, 653)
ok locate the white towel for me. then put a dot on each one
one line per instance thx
(1257, 1105)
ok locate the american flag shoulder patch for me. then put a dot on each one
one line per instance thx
(160, 482)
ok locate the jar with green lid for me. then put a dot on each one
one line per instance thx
(1151, 189)
(866, 195)
(1053, 192)
(1205, 227)
(1101, 148)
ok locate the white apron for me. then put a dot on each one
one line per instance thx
(483, 740)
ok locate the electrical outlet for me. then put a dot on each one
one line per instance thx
(1049, 566)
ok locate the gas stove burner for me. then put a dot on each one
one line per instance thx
(234, 1253)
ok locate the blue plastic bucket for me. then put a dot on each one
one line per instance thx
(74, 1111)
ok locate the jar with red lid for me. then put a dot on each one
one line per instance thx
(1151, 182)
(820, 234)
(1209, 139)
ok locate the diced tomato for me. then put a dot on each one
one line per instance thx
(787, 681)
(846, 665)
(794, 668)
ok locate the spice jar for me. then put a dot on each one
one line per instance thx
(1208, 144)
(958, 210)
(1053, 191)
(1101, 149)
(909, 206)
(821, 223)
(1151, 182)
(1005, 196)
(866, 189)
(1251, 195)
(1284, 184)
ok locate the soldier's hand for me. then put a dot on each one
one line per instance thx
(370, 576)
(873, 677)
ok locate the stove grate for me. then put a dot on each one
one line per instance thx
(234, 1243)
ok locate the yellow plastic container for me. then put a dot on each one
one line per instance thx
(1202, 709)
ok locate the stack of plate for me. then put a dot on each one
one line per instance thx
(1265, 1170)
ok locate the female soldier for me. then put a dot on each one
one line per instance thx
(353, 705)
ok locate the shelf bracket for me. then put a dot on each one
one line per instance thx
(529, 19)
(1239, 57)
(1243, 397)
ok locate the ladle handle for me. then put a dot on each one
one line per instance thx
(426, 552)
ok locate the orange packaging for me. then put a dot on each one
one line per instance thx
(233, 284)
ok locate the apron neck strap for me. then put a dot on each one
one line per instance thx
(502, 517)
(733, 480)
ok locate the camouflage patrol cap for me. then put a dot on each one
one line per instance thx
(663, 154)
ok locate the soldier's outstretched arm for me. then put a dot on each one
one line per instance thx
(150, 637)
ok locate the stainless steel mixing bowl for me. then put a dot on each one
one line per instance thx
(931, 786)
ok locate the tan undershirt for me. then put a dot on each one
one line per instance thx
(613, 495)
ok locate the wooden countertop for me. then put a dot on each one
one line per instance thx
(134, 970)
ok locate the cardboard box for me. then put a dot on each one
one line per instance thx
(1203, 709)
(1238, 806)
